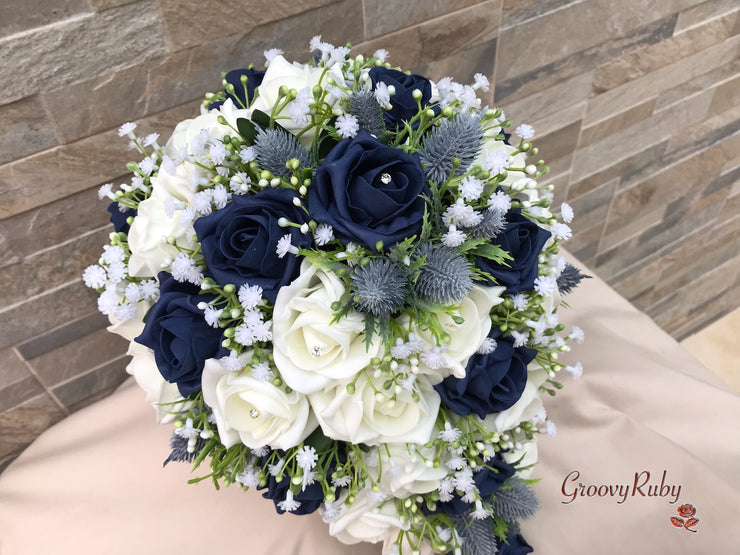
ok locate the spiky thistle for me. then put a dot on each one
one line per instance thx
(461, 138)
(569, 278)
(369, 114)
(493, 223)
(515, 503)
(380, 287)
(179, 448)
(445, 277)
(477, 535)
(274, 147)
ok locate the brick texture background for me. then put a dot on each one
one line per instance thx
(636, 106)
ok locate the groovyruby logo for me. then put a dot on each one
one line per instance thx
(687, 520)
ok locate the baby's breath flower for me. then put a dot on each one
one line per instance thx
(347, 126)
(566, 212)
(323, 235)
(94, 276)
(271, 54)
(496, 162)
(499, 201)
(250, 296)
(525, 131)
(576, 370)
(126, 129)
(561, 232)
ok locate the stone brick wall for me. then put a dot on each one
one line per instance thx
(636, 106)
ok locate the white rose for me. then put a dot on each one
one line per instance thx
(465, 338)
(162, 395)
(365, 520)
(524, 457)
(526, 408)
(516, 161)
(370, 416)
(292, 75)
(255, 412)
(310, 351)
(403, 474)
(129, 329)
(187, 130)
(147, 237)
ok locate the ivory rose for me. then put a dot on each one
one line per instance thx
(162, 395)
(296, 76)
(373, 418)
(310, 350)
(465, 338)
(255, 412)
(148, 235)
(365, 520)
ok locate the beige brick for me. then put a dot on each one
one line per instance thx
(516, 12)
(79, 357)
(579, 26)
(638, 90)
(638, 63)
(511, 88)
(51, 268)
(36, 180)
(17, 385)
(386, 16)
(188, 23)
(629, 170)
(662, 125)
(701, 13)
(439, 39)
(87, 388)
(31, 317)
(628, 118)
(22, 424)
(53, 223)
(702, 82)
(24, 129)
(36, 13)
(77, 48)
(548, 104)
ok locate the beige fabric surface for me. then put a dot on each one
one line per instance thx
(95, 484)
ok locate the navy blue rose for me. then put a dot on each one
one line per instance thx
(492, 382)
(515, 545)
(254, 80)
(311, 497)
(369, 192)
(402, 101)
(523, 240)
(488, 480)
(119, 219)
(178, 334)
(239, 241)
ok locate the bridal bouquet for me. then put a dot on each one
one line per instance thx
(341, 283)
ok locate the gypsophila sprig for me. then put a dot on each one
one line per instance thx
(341, 285)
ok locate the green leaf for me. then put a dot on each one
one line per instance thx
(326, 144)
(261, 119)
(492, 252)
(318, 441)
(247, 130)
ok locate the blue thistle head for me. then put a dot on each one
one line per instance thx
(515, 503)
(569, 278)
(461, 137)
(274, 147)
(380, 287)
(445, 277)
(179, 449)
(492, 224)
(369, 114)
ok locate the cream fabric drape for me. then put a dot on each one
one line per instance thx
(94, 483)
